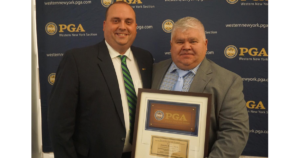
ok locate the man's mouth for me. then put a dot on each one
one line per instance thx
(121, 34)
(186, 53)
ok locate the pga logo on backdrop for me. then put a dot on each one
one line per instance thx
(252, 105)
(231, 51)
(167, 25)
(51, 28)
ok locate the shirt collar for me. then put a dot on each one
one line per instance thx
(173, 68)
(114, 54)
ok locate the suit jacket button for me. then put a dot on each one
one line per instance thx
(123, 139)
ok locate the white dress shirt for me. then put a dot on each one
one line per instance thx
(136, 79)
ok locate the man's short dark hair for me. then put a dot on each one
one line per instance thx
(118, 2)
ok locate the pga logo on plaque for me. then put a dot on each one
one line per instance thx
(159, 115)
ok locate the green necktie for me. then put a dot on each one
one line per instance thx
(130, 92)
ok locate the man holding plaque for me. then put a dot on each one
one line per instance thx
(189, 71)
(92, 103)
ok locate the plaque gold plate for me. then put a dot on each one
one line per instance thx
(169, 147)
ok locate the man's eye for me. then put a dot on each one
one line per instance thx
(179, 42)
(115, 20)
(128, 22)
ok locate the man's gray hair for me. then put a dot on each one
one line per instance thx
(186, 23)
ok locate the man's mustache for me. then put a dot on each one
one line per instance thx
(186, 53)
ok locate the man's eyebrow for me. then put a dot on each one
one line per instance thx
(120, 18)
(115, 18)
(179, 39)
(129, 19)
(192, 38)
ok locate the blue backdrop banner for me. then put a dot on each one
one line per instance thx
(237, 33)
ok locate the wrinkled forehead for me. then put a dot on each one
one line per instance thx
(200, 28)
(188, 32)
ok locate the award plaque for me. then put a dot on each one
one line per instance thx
(170, 124)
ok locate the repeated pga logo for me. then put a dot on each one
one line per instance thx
(51, 28)
(232, 1)
(51, 78)
(106, 3)
(67, 30)
(167, 25)
(254, 53)
(256, 107)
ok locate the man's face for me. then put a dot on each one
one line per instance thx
(188, 48)
(120, 27)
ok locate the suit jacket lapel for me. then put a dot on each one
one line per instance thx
(160, 73)
(202, 77)
(107, 68)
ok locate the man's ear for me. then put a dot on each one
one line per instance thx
(103, 25)
(135, 27)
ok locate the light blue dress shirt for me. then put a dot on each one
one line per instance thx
(171, 78)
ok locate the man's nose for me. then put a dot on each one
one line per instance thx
(186, 46)
(122, 25)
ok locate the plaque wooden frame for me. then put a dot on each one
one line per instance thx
(197, 143)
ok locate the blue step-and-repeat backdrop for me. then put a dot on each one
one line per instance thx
(237, 33)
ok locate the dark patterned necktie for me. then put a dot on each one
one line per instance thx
(130, 92)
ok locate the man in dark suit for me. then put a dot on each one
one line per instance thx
(89, 112)
(190, 71)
